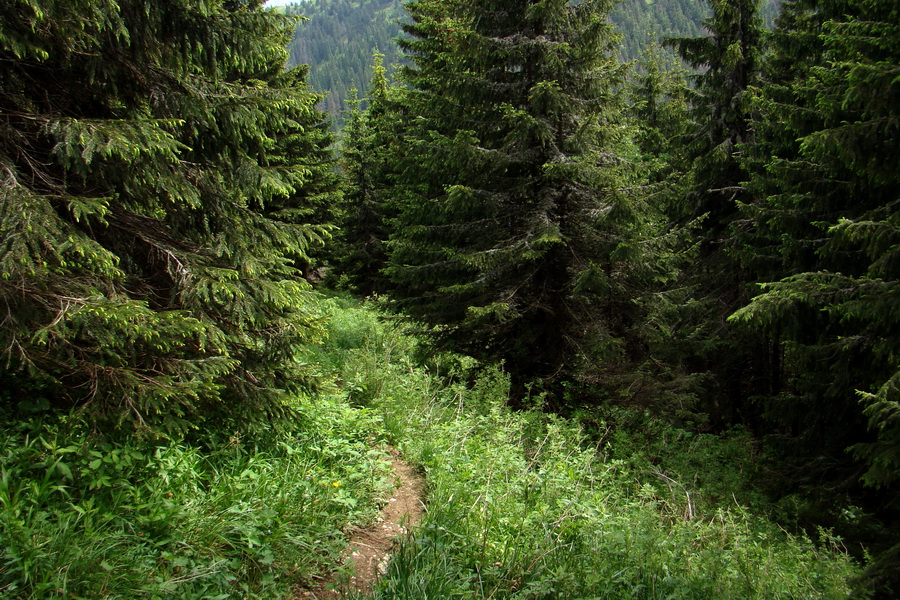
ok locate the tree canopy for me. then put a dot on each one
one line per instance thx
(158, 168)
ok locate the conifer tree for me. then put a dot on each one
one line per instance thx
(660, 108)
(826, 183)
(519, 238)
(156, 168)
(676, 326)
(370, 143)
(727, 64)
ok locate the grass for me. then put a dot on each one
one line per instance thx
(82, 518)
(521, 505)
(526, 505)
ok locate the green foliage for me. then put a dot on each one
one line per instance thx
(161, 193)
(831, 202)
(883, 456)
(369, 153)
(88, 517)
(728, 63)
(704, 192)
(520, 504)
(660, 108)
(518, 231)
(524, 505)
(822, 231)
(164, 190)
(338, 40)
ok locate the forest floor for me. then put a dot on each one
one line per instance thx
(369, 550)
(520, 503)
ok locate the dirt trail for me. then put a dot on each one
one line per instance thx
(369, 550)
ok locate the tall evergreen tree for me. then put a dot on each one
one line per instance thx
(659, 105)
(153, 164)
(824, 230)
(727, 60)
(368, 159)
(520, 240)
(727, 64)
(676, 326)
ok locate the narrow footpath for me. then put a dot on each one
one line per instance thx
(369, 550)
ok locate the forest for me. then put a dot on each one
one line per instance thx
(635, 322)
(338, 37)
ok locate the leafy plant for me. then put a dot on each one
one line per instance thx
(88, 517)
(528, 505)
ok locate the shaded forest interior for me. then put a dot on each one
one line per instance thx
(697, 247)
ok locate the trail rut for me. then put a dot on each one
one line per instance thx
(369, 550)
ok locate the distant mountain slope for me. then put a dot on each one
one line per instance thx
(338, 39)
(643, 22)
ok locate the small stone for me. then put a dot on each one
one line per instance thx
(383, 565)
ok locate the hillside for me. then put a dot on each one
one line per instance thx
(635, 334)
(338, 41)
(340, 36)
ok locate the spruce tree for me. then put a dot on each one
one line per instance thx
(826, 181)
(676, 325)
(519, 238)
(659, 104)
(368, 159)
(727, 60)
(727, 63)
(155, 170)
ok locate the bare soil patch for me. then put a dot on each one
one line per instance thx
(369, 550)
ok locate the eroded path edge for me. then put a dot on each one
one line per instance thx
(369, 550)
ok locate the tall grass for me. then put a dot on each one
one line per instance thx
(85, 518)
(524, 505)
(521, 505)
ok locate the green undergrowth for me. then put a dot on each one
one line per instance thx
(526, 505)
(521, 504)
(85, 517)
